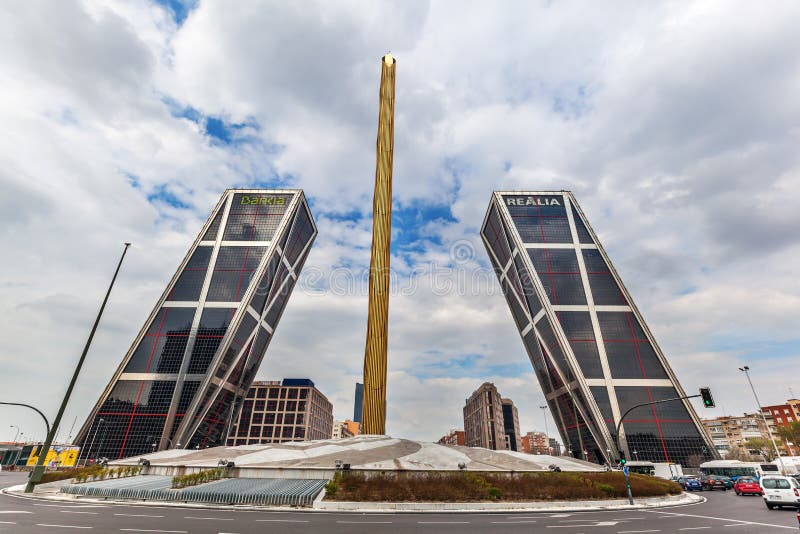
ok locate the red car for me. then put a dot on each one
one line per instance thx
(747, 485)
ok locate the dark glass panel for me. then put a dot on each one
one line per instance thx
(211, 233)
(630, 354)
(526, 282)
(539, 219)
(516, 308)
(161, 348)
(605, 290)
(255, 217)
(577, 327)
(190, 281)
(539, 364)
(213, 325)
(188, 392)
(265, 284)
(496, 237)
(553, 348)
(583, 233)
(559, 273)
(301, 233)
(233, 272)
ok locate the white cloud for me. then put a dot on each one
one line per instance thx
(676, 126)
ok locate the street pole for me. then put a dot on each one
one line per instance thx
(746, 371)
(546, 432)
(38, 471)
(15, 435)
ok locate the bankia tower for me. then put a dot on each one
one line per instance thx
(183, 378)
(590, 347)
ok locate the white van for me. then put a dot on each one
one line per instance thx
(780, 491)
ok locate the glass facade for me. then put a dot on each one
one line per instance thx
(187, 371)
(589, 347)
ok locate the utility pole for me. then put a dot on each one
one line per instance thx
(746, 371)
(38, 471)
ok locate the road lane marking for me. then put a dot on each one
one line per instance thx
(7, 523)
(79, 512)
(512, 522)
(282, 520)
(693, 528)
(725, 519)
(59, 526)
(139, 515)
(15, 512)
(145, 530)
(365, 522)
(209, 518)
(443, 522)
(635, 531)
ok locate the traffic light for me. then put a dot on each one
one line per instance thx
(708, 400)
(623, 461)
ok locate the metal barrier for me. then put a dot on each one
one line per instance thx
(234, 491)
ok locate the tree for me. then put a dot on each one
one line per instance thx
(763, 446)
(790, 433)
(738, 453)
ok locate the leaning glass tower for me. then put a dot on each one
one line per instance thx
(183, 378)
(590, 348)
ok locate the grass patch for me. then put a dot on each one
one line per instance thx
(473, 487)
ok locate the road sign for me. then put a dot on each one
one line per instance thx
(626, 471)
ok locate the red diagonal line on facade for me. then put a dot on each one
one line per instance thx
(141, 384)
(649, 393)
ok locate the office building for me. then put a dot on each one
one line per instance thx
(484, 424)
(279, 411)
(591, 351)
(511, 425)
(183, 379)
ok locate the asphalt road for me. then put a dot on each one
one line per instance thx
(724, 512)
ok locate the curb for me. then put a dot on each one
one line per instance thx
(321, 506)
(537, 506)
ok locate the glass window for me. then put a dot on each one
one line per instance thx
(162, 347)
(493, 231)
(583, 232)
(540, 219)
(214, 323)
(577, 327)
(233, 272)
(190, 281)
(560, 276)
(211, 233)
(630, 354)
(605, 290)
(255, 217)
(259, 407)
(301, 233)
(553, 349)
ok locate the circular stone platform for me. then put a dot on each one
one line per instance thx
(372, 453)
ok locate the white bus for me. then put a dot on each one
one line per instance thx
(736, 468)
(667, 470)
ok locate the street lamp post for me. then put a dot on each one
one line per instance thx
(15, 435)
(746, 371)
(546, 432)
(38, 470)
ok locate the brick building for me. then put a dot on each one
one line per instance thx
(275, 412)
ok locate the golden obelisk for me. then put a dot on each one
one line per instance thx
(374, 411)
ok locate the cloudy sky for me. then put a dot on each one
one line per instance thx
(676, 124)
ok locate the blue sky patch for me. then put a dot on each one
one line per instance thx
(180, 9)
(162, 195)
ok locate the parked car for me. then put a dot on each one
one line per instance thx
(747, 486)
(712, 482)
(728, 482)
(690, 483)
(780, 491)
